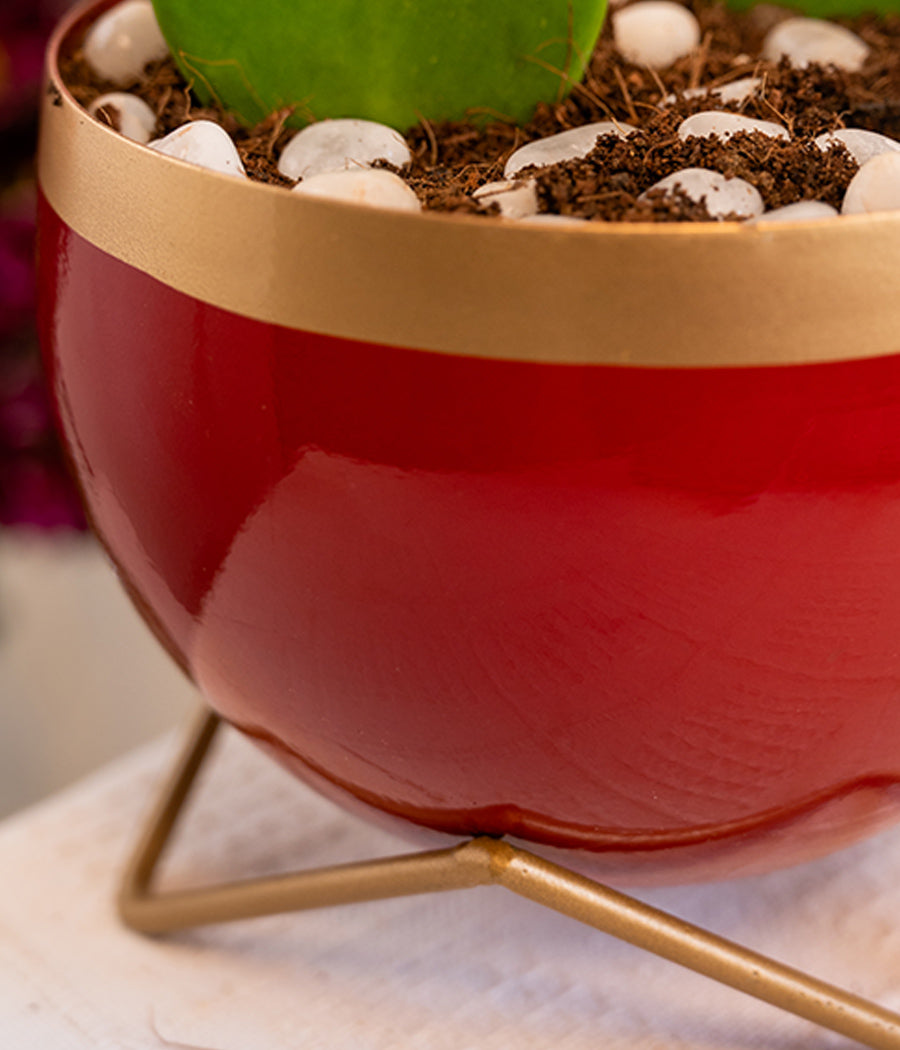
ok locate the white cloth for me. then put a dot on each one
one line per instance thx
(467, 970)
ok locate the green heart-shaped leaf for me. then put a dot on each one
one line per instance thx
(395, 61)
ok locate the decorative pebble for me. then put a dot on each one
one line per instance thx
(799, 211)
(733, 91)
(655, 33)
(205, 143)
(875, 187)
(372, 186)
(123, 40)
(335, 145)
(134, 118)
(567, 145)
(805, 40)
(724, 197)
(862, 145)
(737, 90)
(547, 218)
(516, 198)
(720, 125)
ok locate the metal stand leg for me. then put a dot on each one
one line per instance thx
(478, 862)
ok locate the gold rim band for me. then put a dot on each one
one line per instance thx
(684, 295)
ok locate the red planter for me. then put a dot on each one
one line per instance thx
(633, 593)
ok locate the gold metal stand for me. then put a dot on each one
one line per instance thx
(478, 862)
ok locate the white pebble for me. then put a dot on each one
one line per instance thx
(205, 143)
(372, 186)
(862, 145)
(738, 90)
(805, 40)
(734, 91)
(655, 33)
(123, 40)
(875, 187)
(567, 145)
(516, 198)
(335, 145)
(799, 211)
(135, 119)
(547, 218)
(721, 125)
(723, 197)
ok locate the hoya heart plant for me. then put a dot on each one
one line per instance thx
(394, 61)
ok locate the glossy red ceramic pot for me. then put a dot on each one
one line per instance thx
(588, 536)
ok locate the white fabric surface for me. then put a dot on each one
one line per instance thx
(477, 969)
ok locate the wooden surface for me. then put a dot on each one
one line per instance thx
(475, 969)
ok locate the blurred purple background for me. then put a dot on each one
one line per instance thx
(35, 489)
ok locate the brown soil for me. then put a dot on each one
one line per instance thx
(453, 159)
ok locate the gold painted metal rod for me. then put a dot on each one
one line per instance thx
(459, 867)
(169, 806)
(148, 911)
(693, 947)
(477, 862)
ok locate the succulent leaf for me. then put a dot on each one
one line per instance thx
(394, 61)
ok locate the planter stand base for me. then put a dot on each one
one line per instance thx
(476, 862)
